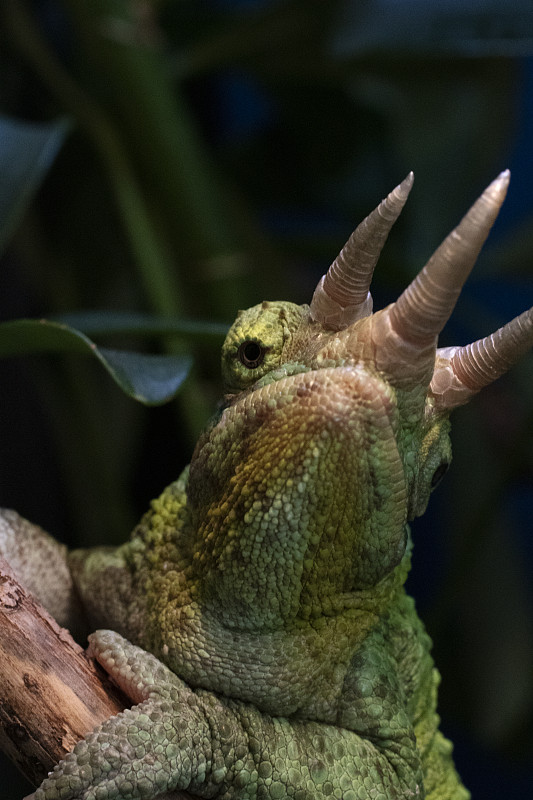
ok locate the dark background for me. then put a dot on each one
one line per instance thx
(250, 138)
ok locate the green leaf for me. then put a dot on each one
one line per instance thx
(126, 323)
(26, 153)
(151, 379)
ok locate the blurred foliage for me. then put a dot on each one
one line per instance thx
(220, 153)
(26, 153)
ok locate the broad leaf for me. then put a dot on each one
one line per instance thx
(26, 153)
(151, 379)
(108, 323)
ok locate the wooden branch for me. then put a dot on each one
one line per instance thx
(51, 693)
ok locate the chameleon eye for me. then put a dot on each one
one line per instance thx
(439, 474)
(251, 353)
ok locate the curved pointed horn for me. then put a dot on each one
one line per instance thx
(420, 313)
(460, 372)
(342, 295)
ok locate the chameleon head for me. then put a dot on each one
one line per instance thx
(336, 426)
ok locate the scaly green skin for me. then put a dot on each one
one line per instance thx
(269, 581)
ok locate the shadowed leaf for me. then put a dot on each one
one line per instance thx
(26, 153)
(151, 379)
(108, 323)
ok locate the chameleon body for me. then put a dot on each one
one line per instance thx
(258, 613)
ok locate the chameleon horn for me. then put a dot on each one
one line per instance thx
(421, 311)
(460, 372)
(342, 295)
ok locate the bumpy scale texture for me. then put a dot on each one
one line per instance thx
(258, 613)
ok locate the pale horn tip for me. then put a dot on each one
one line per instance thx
(405, 186)
(498, 188)
(408, 180)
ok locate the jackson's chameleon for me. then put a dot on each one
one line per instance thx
(274, 652)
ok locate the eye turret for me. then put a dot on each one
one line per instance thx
(257, 342)
(439, 473)
(251, 353)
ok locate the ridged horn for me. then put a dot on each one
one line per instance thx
(460, 372)
(342, 295)
(422, 310)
